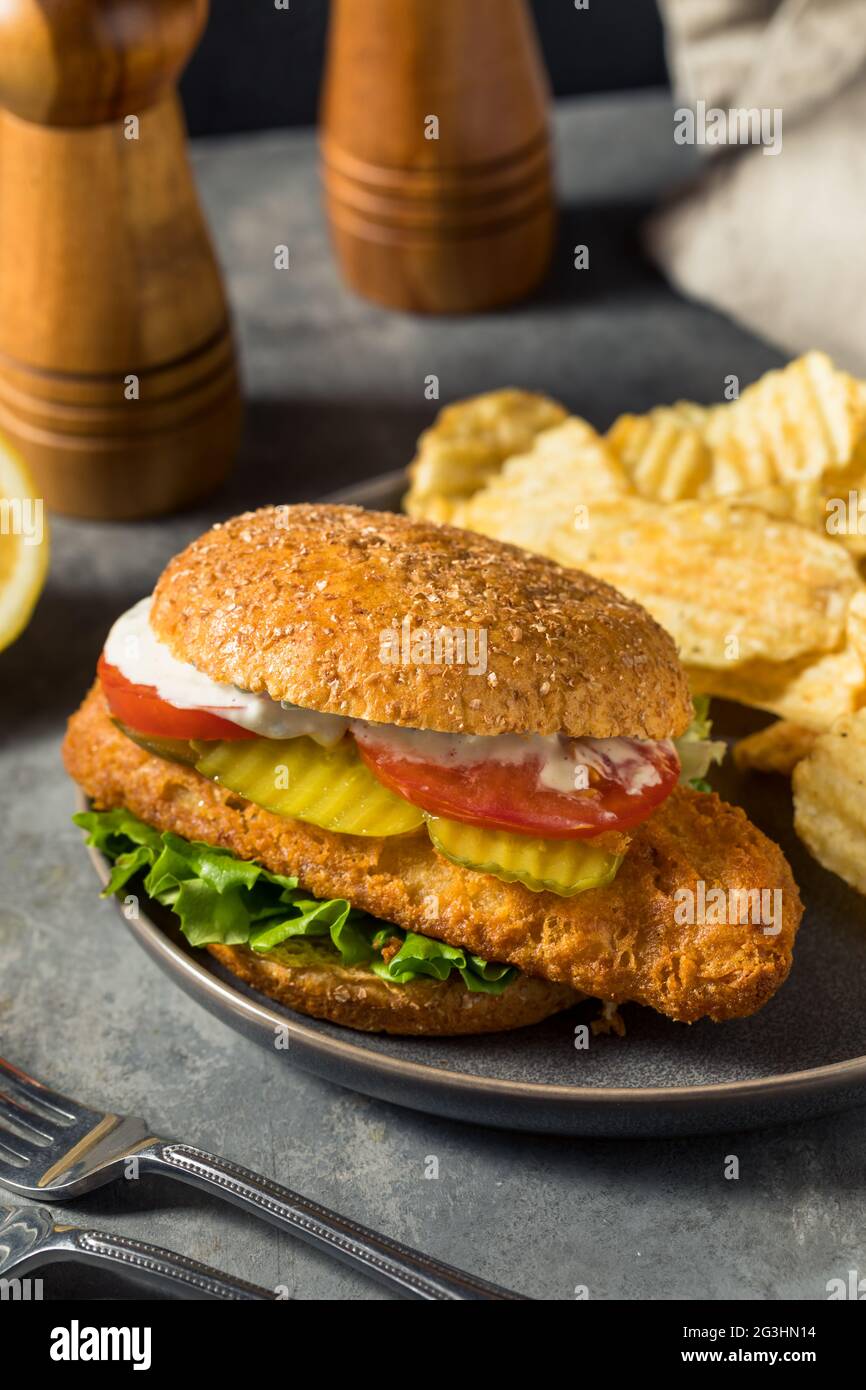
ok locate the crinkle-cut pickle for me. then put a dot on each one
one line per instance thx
(329, 787)
(565, 867)
(174, 750)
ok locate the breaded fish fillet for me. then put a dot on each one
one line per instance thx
(622, 942)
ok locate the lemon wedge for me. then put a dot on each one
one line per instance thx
(23, 545)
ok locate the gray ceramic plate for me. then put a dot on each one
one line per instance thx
(803, 1055)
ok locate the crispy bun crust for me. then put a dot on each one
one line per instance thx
(359, 999)
(293, 601)
(618, 943)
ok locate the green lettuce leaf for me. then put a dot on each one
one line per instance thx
(419, 955)
(696, 749)
(702, 725)
(220, 899)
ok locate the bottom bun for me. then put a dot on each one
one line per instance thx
(355, 997)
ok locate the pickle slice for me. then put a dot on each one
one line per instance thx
(174, 750)
(565, 867)
(329, 787)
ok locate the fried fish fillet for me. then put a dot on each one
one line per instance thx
(619, 943)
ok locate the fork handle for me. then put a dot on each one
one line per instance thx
(388, 1261)
(152, 1265)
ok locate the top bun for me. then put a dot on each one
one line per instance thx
(335, 609)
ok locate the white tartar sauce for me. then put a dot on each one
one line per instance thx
(564, 763)
(134, 649)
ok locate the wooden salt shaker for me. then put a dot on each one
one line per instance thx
(118, 381)
(451, 224)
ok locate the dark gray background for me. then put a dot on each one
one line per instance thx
(259, 67)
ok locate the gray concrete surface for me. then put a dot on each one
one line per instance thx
(335, 391)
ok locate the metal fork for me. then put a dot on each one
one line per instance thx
(31, 1238)
(53, 1149)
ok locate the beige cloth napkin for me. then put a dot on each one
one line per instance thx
(778, 242)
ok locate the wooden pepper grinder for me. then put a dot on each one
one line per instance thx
(118, 381)
(436, 152)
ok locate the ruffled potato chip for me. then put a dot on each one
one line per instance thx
(794, 444)
(730, 584)
(468, 443)
(664, 452)
(791, 426)
(813, 690)
(829, 799)
(566, 469)
(778, 748)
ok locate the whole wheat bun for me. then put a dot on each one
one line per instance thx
(356, 998)
(294, 602)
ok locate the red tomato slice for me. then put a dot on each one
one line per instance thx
(625, 783)
(141, 709)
